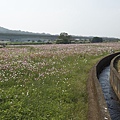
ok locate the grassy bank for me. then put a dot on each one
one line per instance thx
(46, 82)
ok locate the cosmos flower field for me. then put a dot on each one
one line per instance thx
(47, 82)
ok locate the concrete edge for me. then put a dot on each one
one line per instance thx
(97, 107)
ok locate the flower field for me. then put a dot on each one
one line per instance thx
(47, 82)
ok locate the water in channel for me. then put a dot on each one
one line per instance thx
(110, 97)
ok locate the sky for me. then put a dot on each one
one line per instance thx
(76, 17)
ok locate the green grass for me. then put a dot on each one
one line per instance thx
(45, 87)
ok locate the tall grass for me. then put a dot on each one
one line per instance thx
(46, 82)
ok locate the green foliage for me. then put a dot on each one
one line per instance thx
(96, 40)
(3, 44)
(35, 87)
(64, 38)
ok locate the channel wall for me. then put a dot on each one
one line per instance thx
(115, 76)
(97, 107)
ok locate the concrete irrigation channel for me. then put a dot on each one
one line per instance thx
(102, 101)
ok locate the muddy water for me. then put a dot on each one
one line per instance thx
(110, 97)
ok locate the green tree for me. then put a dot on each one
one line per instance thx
(96, 40)
(64, 38)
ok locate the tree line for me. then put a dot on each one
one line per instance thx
(64, 38)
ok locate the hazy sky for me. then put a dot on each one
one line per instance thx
(76, 17)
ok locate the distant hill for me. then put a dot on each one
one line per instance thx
(30, 36)
(5, 30)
